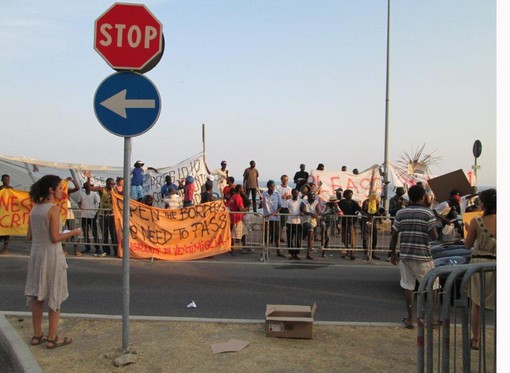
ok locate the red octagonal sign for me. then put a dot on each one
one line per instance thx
(128, 36)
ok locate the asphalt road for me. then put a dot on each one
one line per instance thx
(225, 287)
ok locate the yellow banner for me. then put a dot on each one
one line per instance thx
(15, 206)
(467, 217)
(182, 234)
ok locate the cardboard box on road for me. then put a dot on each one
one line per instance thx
(289, 321)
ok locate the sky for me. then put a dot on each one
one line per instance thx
(279, 82)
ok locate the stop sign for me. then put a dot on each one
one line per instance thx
(128, 36)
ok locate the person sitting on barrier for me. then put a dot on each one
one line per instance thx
(481, 238)
(416, 227)
(166, 189)
(329, 219)
(271, 204)
(237, 209)
(293, 225)
(310, 215)
(351, 208)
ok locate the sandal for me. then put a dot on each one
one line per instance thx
(407, 324)
(55, 342)
(37, 340)
(475, 344)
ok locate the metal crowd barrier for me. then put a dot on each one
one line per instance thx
(448, 348)
(362, 235)
(369, 236)
(98, 232)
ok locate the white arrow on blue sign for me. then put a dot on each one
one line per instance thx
(127, 104)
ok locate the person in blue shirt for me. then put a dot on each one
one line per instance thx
(137, 181)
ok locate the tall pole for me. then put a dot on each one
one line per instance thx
(387, 112)
(125, 244)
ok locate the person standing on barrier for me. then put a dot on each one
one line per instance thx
(286, 193)
(481, 238)
(300, 177)
(137, 175)
(271, 204)
(293, 225)
(222, 174)
(310, 215)
(350, 208)
(251, 183)
(416, 227)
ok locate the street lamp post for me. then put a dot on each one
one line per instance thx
(386, 116)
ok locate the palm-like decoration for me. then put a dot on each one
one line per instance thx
(415, 162)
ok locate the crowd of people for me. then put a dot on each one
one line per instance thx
(296, 210)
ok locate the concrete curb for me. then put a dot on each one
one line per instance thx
(16, 348)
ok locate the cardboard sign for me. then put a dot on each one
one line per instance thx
(444, 184)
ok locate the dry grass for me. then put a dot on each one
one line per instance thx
(171, 346)
(185, 347)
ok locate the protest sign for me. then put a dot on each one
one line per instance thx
(180, 234)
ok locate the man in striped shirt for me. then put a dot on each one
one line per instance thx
(416, 226)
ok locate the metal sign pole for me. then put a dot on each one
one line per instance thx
(125, 244)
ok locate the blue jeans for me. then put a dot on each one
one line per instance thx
(136, 192)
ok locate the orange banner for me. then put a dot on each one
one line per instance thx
(15, 206)
(467, 217)
(182, 234)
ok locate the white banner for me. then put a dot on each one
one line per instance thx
(153, 180)
(360, 184)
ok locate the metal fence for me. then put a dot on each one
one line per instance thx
(362, 237)
(355, 236)
(99, 235)
(448, 348)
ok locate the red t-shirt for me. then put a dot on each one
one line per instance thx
(189, 190)
(228, 191)
(236, 204)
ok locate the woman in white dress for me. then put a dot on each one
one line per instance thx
(47, 267)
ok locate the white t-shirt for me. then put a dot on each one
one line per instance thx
(89, 204)
(284, 191)
(294, 211)
(222, 178)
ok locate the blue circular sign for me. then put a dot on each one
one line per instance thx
(127, 104)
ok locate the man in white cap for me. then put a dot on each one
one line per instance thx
(137, 181)
(222, 174)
